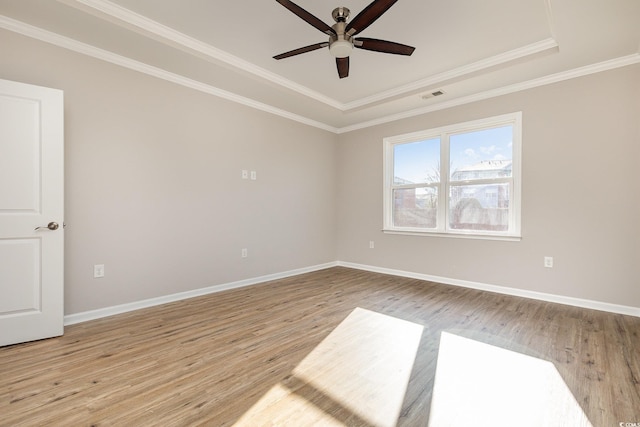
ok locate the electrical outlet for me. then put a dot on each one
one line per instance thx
(548, 262)
(244, 254)
(98, 271)
(371, 244)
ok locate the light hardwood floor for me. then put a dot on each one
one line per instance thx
(209, 360)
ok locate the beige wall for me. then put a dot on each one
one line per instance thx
(581, 195)
(153, 182)
(153, 187)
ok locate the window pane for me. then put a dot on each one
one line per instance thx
(416, 162)
(415, 207)
(479, 207)
(482, 154)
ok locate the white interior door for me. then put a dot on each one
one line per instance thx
(31, 196)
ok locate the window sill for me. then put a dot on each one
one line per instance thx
(508, 238)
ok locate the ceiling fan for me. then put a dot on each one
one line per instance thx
(341, 41)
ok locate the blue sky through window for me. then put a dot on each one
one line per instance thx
(417, 162)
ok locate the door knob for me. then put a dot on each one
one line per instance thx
(50, 226)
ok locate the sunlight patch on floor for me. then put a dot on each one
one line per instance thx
(357, 375)
(482, 385)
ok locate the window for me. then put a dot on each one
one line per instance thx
(461, 180)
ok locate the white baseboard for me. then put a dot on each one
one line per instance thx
(577, 302)
(71, 319)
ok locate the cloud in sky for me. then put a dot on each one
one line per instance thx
(488, 150)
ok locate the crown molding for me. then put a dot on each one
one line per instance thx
(104, 55)
(505, 90)
(465, 70)
(438, 79)
(148, 27)
(92, 51)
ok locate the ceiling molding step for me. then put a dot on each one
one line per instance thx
(517, 87)
(550, 20)
(92, 51)
(107, 56)
(126, 18)
(438, 79)
(148, 27)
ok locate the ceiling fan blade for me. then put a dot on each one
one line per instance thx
(343, 67)
(383, 46)
(301, 50)
(306, 16)
(368, 15)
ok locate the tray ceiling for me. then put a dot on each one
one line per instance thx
(467, 49)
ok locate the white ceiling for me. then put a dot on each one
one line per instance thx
(470, 49)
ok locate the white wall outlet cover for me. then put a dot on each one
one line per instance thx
(98, 270)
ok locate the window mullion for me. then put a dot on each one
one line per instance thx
(388, 186)
(443, 199)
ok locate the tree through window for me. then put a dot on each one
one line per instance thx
(461, 179)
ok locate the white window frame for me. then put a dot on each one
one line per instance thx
(444, 133)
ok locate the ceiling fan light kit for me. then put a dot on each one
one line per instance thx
(341, 41)
(341, 48)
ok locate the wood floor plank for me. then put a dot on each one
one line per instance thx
(209, 360)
